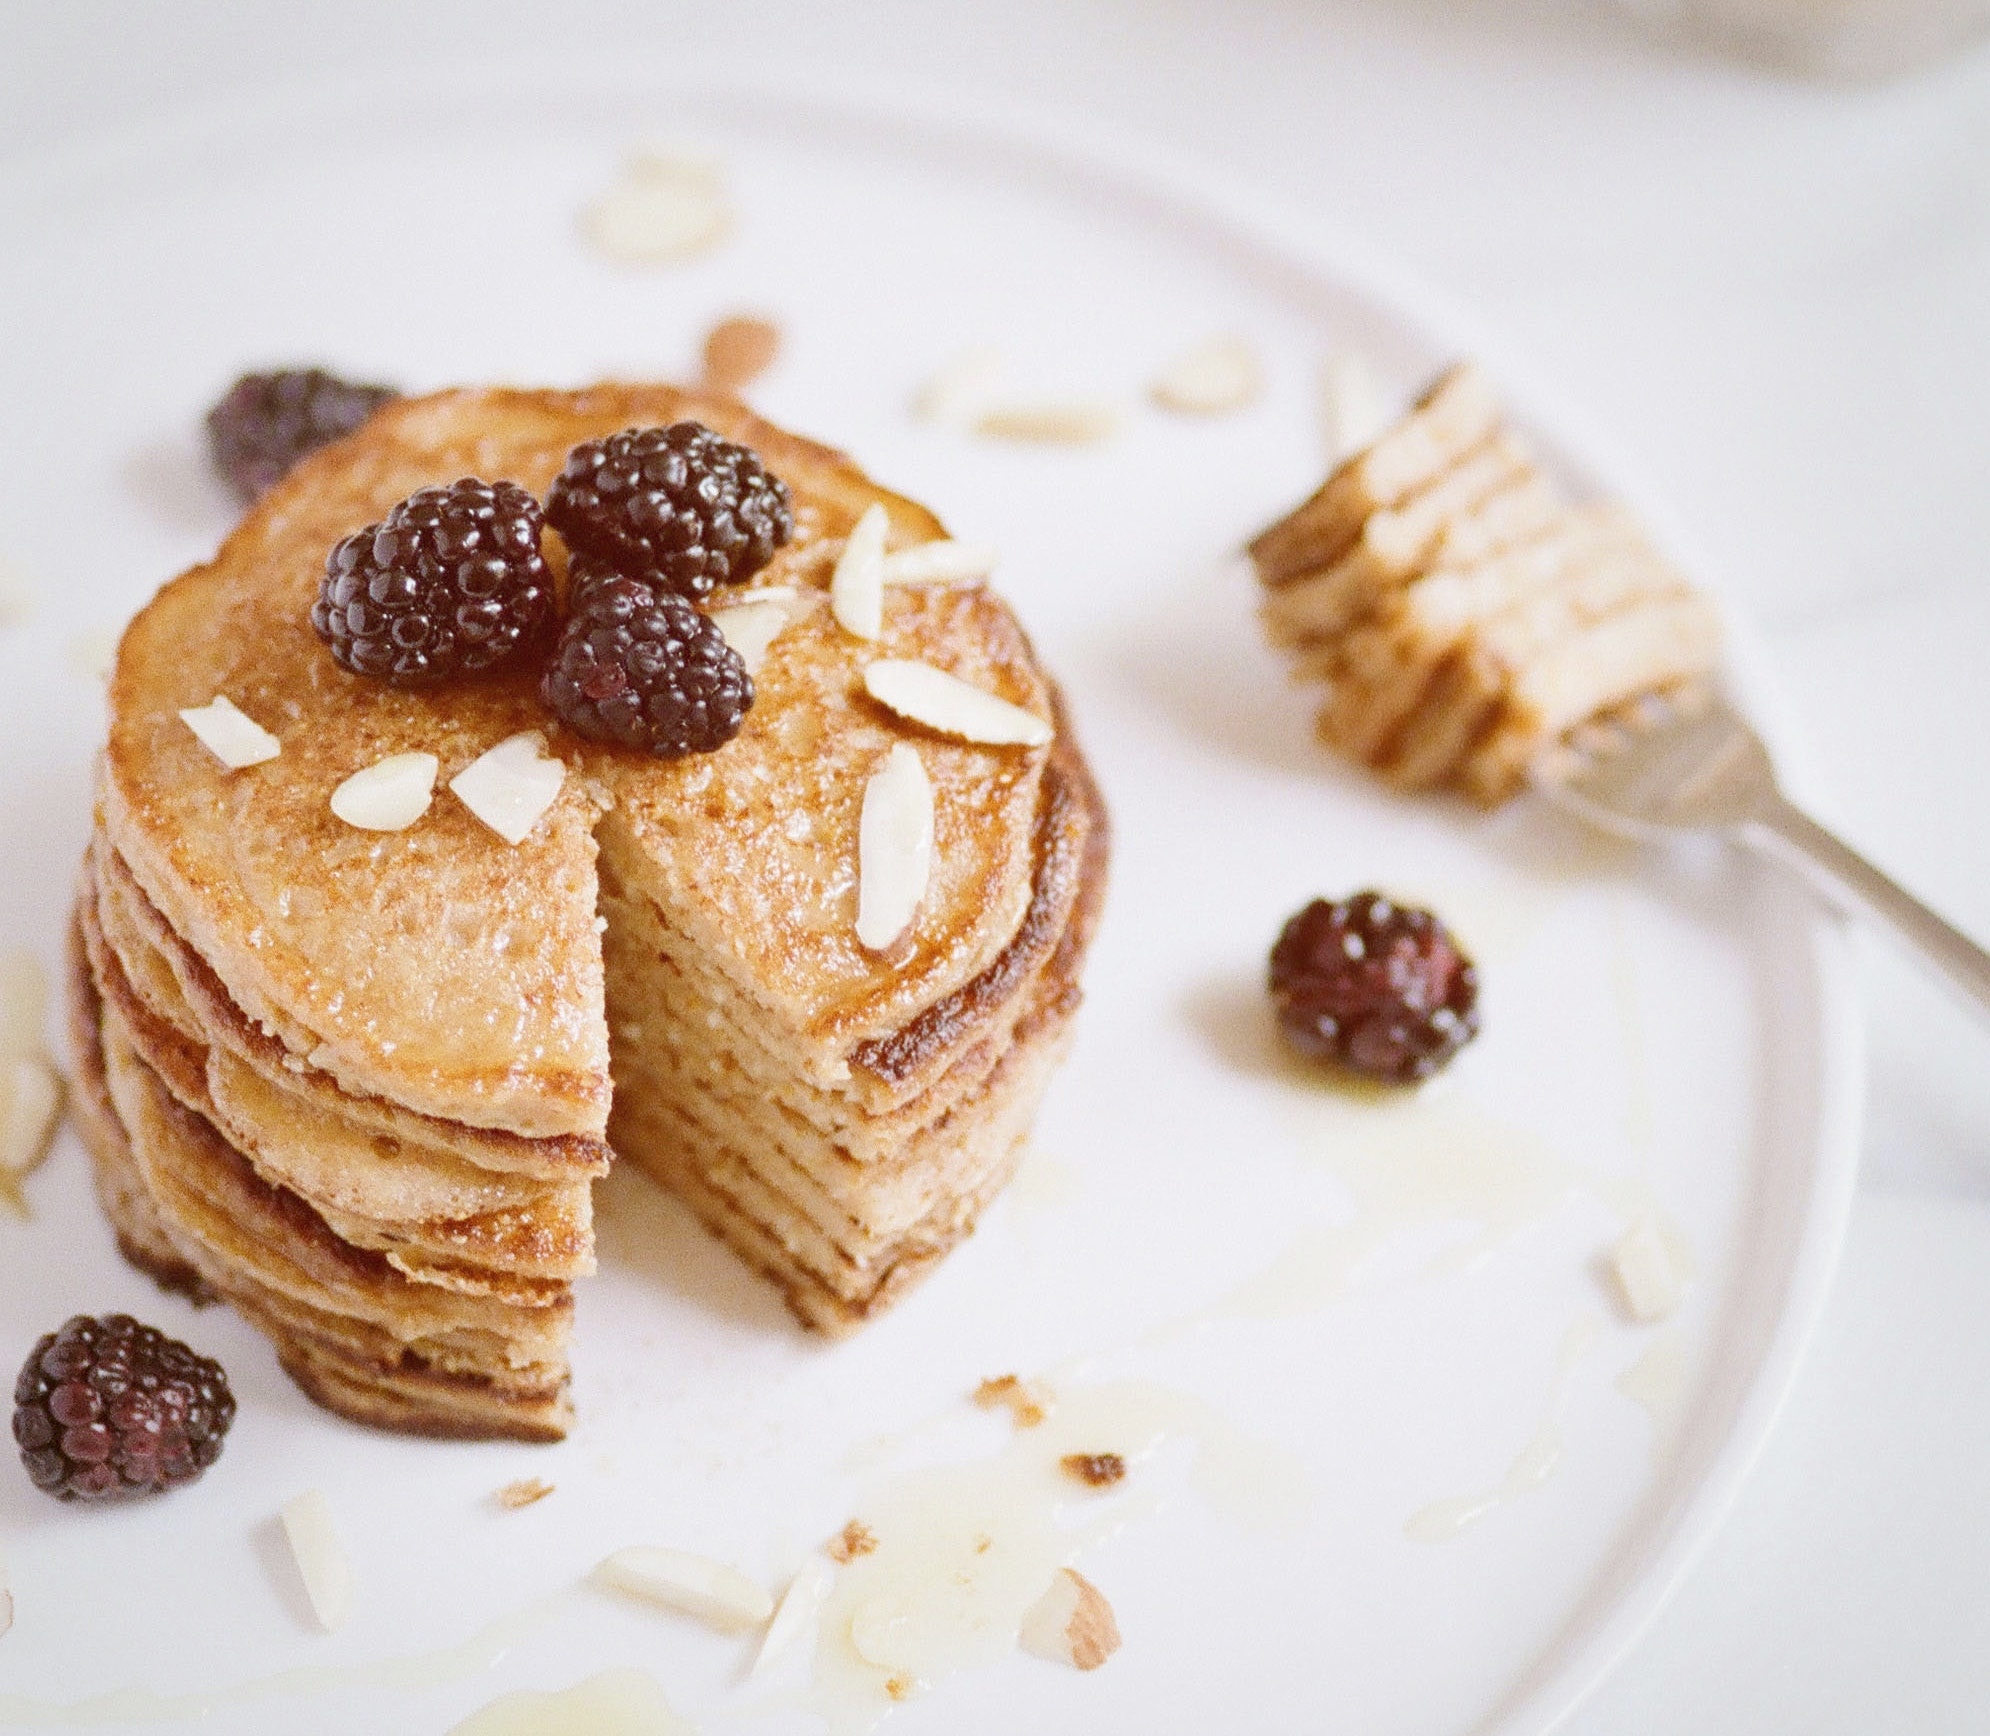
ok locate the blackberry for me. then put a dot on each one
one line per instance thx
(264, 423)
(585, 576)
(1374, 987)
(678, 508)
(645, 668)
(450, 583)
(108, 1409)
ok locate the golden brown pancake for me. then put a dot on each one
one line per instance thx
(357, 1082)
(1469, 622)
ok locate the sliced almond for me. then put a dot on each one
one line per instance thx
(389, 795)
(30, 1111)
(509, 787)
(1213, 379)
(23, 1003)
(856, 591)
(940, 563)
(92, 652)
(666, 206)
(1095, 1470)
(739, 350)
(1647, 1273)
(923, 694)
(795, 1617)
(894, 848)
(753, 623)
(693, 1585)
(1353, 411)
(1028, 1402)
(17, 594)
(525, 1492)
(855, 1539)
(321, 1557)
(1076, 423)
(234, 738)
(962, 387)
(1071, 1623)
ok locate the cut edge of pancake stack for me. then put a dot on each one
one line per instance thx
(1464, 617)
(411, 1273)
(845, 1183)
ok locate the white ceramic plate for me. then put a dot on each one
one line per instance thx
(1662, 1033)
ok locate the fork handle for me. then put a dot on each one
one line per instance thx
(1783, 830)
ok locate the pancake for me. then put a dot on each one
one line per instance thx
(359, 1083)
(1466, 619)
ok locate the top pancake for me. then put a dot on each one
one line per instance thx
(450, 972)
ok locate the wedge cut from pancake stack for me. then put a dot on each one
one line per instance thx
(359, 1083)
(1465, 618)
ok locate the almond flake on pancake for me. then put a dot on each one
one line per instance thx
(511, 786)
(234, 738)
(940, 563)
(856, 592)
(796, 1616)
(1071, 1623)
(390, 795)
(693, 1585)
(321, 1557)
(1212, 379)
(894, 848)
(1079, 422)
(923, 694)
(756, 620)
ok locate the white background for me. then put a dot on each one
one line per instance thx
(1775, 296)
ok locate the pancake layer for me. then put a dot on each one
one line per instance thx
(1466, 620)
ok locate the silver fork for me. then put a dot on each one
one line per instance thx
(1708, 771)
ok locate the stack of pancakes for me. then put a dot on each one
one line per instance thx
(1465, 618)
(358, 1083)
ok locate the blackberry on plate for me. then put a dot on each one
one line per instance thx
(1374, 987)
(678, 507)
(264, 423)
(450, 583)
(109, 1409)
(645, 668)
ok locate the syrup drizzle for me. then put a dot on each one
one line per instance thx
(963, 1550)
(613, 1703)
(421, 1670)
(1532, 1466)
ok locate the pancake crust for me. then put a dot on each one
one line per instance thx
(357, 1083)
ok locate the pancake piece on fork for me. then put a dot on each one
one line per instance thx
(1466, 620)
